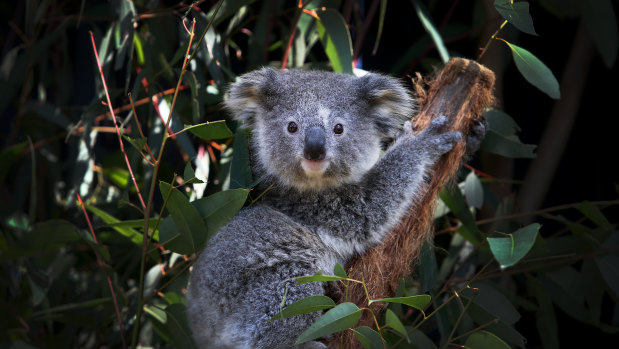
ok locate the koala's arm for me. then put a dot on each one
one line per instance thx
(392, 185)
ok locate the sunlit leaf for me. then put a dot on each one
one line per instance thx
(424, 17)
(511, 249)
(125, 229)
(516, 13)
(535, 71)
(336, 40)
(419, 302)
(318, 277)
(343, 316)
(338, 270)
(304, 306)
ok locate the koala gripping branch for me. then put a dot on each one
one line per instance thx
(462, 90)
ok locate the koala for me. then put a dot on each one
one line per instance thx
(316, 143)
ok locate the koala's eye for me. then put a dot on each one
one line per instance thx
(292, 127)
(338, 129)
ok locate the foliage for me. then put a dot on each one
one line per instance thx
(118, 165)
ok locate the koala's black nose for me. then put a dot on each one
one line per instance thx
(315, 141)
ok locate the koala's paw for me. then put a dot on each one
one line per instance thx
(444, 142)
(477, 133)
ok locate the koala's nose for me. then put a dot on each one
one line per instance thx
(315, 142)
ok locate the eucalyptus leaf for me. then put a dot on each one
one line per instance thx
(484, 340)
(217, 209)
(369, 338)
(473, 191)
(177, 326)
(391, 320)
(516, 13)
(511, 249)
(304, 306)
(601, 22)
(210, 130)
(419, 302)
(535, 71)
(424, 17)
(339, 318)
(189, 224)
(335, 39)
(457, 204)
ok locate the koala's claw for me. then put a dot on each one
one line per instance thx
(446, 141)
(408, 128)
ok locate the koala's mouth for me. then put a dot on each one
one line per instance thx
(314, 167)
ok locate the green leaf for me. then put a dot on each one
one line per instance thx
(545, 317)
(177, 327)
(457, 204)
(338, 270)
(71, 306)
(336, 40)
(501, 138)
(217, 209)
(516, 13)
(210, 130)
(595, 215)
(240, 170)
(534, 71)
(189, 224)
(381, 23)
(189, 176)
(137, 143)
(473, 191)
(493, 301)
(391, 320)
(601, 22)
(369, 338)
(123, 228)
(424, 17)
(504, 331)
(427, 268)
(419, 302)
(484, 340)
(157, 313)
(343, 316)
(317, 277)
(509, 250)
(304, 306)
(118, 176)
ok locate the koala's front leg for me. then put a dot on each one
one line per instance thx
(397, 179)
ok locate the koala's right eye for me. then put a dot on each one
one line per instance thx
(292, 127)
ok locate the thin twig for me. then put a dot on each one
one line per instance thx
(120, 139)
(102, 265)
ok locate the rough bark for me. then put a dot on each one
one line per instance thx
(462, 90)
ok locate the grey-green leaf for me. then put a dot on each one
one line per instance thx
(343, 316)
(509, 250)
(485, 340)
(535, 71)
(304, 306)
(369, 338)
(210, 130)
(217, 209)
(424, 17)
(516, 13)
(391, 320)
(189, 224)
(473, 191)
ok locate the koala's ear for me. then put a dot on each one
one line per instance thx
(389, 101)
(250, 93)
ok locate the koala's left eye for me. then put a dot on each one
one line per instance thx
(292, 127)
(338, 129)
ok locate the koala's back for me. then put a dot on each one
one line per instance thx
(244, 271)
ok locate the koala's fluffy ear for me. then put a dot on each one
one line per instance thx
(389, 101)
(250, 93)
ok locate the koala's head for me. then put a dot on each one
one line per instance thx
(313, 130)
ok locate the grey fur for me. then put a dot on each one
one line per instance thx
(312, 217)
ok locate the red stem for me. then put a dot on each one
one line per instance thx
(109, 280)
(109, 104)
